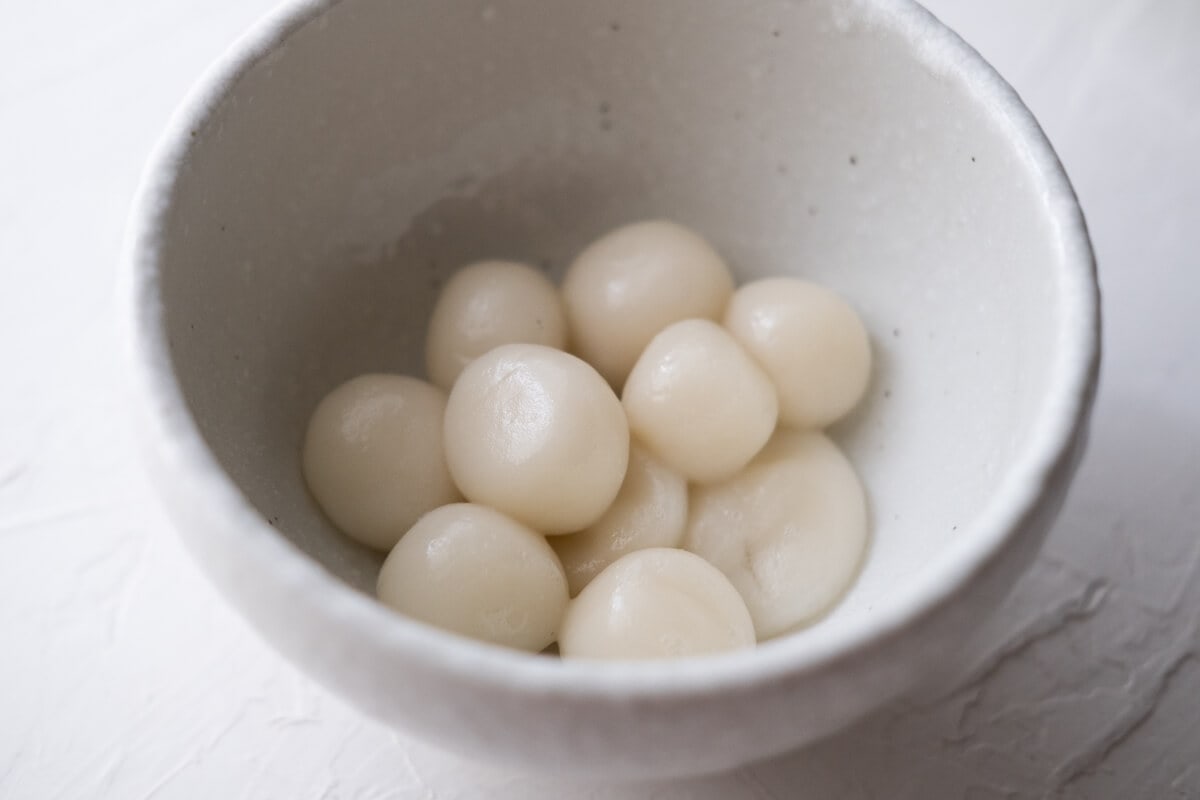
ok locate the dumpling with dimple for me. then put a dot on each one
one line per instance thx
(789, 531)
(537, 434)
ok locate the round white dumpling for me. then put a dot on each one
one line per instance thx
(811, 343)
(789, 531)
(538, 434)
(698, 401)
(471, 570)
(373, 456)
(485, 305)
(650, 511)
(631, 283)
(656, 603)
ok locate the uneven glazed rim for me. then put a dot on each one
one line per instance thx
(303, 583)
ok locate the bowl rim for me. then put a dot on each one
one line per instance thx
(301, 582)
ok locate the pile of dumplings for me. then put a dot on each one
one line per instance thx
(630, 465)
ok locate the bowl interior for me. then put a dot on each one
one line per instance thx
(349, 171)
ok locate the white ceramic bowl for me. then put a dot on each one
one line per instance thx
(343, 158)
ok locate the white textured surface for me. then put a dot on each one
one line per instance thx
(123, 675)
